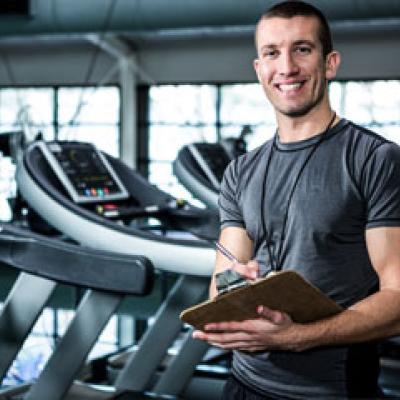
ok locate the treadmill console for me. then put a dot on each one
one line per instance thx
(83, 171)
(212, 159)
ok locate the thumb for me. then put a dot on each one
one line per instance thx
(253, 266)
(274, 316)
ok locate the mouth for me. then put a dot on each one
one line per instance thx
(290, 87)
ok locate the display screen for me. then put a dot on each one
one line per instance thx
(84, 171)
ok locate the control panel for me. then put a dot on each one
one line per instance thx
(84, 172)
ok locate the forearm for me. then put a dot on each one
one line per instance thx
(375, 317)
(238, 243)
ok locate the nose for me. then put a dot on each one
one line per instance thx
(288, 65)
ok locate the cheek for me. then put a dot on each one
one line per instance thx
(265, 74)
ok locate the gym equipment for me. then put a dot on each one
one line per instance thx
(43, 263)
(147, 219)
(200, 167)
(111, 225)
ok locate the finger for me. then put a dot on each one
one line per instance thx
(229, 338)
(238, 345)
(200, 335)
(231, 326)
(254, 268)
(245, 271)
(253, 349)
(276, 317)
(244, 346)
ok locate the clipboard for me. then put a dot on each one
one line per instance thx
(285, 291)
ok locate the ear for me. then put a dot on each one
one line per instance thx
(332, 64)
(256, 65)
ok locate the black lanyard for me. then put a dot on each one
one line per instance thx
(276, 264)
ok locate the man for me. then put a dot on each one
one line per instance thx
(321, 198)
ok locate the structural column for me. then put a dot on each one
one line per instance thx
(128, 82)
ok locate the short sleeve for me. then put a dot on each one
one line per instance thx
(382, 186)
(229, 210)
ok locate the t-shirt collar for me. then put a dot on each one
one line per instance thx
(302, 144)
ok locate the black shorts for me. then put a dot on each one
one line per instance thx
(236, 390)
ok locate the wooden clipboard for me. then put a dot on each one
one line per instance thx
(284, 291)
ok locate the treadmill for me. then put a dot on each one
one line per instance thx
(200, 166)
(42, 263)
(95, 200)
(100, 203)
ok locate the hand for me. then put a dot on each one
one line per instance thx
(248, 271)
(273, 330)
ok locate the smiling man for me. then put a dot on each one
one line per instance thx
(321, 198)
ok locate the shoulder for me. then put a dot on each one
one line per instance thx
(249, 161)
(362, 145)
(242, 170)
(376, 145)
(373, 161)
(364, 140)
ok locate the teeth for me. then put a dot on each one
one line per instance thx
(292, 86)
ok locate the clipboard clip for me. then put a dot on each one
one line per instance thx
(229, 280)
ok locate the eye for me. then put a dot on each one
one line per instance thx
(303, 50)
(270, 53)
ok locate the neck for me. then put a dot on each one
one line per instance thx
(294, 129)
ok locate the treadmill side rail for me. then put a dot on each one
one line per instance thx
(20, 311)
(75, 265)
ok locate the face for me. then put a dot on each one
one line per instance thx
(290, 65)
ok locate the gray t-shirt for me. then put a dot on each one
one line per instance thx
(317, 196)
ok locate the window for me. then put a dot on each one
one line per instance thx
(31, 109)
(65, 113)
(69, 113)
(90, 115)
(246, 105)
(182, 114)
(368, 104)
(179, 115)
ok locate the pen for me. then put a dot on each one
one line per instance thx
(226, 252)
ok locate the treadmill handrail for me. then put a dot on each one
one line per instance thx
(195, 182)
(75, 264)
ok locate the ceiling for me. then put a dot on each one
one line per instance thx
(164, 19)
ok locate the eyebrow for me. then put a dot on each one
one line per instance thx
(295, 43)
(304, 41)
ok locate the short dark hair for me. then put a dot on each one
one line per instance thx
(289, 9)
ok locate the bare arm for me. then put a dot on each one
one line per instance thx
(379, 314)
(375, 317)
(237, 241)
